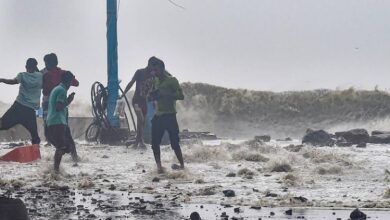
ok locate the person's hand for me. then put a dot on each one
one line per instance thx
(70, 97)
(155, 95)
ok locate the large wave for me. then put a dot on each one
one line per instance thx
(244, 113)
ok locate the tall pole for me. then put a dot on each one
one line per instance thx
(112, 61)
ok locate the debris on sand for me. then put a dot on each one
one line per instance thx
(358, 215)
(229, 193)
(86, 183)
(195, 216)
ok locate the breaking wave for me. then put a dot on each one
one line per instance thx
(245, 113)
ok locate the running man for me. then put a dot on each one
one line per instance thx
(57, 120)
(144, 82)
(167, 92)
(23, 110)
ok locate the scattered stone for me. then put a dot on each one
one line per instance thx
(156, 179)
(263, 138)
(358, 215)
(272, 213)
(300, 199)
(354, 136)
(255, 207)
(380, 138)
(112, 187)
(361, 145)
(231, 174)
(199, 181)
(288, 212)
(229, 193)
(236, 210)
(318, 138)
(195, 216)
(269, 194)
(105, 157)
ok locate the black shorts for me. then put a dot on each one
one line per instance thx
(20, 114)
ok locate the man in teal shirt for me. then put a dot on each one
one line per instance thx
(23, 110)
(167, 92)
(57, 120)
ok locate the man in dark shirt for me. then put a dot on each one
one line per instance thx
(144, 82)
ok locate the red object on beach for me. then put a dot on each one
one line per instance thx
(23, 154)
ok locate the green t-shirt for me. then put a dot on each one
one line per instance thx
(29, 89)
(54, 117)
(168, 85)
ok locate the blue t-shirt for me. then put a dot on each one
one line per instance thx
(29, 89)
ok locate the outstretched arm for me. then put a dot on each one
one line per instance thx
(9, 81)
(128, 87)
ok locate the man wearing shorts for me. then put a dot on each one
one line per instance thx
(23, 110)
(57, 119)
(144, 82)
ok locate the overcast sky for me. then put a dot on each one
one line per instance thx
(255, 44)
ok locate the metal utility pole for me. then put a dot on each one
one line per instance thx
(112, 61)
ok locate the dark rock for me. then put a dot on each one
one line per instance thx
(376, 132)
(354, 136)
(236, 210)
(231, 175)
(264, 138)
(318, 138)
(195, 216)
(112, 187)
(12, 209)
(380, 139)
(156, 179)
(255, 207)
(300, 198)
(288, 212)
(269, 194)
(361, 145)
(357, 215)
(272, 213)
(229, 193)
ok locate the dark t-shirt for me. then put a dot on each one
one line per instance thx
(144, 84)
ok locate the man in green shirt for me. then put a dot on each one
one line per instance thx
(57, 120)
(167, 91)
(23, 110)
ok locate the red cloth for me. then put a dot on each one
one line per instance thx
(52, 79)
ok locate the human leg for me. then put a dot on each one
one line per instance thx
(173, 131)
(71, 144)
(157, 134)
(10, 117)
(140, 124)
(29, 121)
(56, 135)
